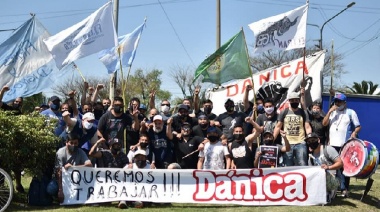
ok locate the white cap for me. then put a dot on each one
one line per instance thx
(293, 95)
(88, 116)
(140, 152)
(157, 117)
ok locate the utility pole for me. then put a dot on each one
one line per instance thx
(217, 24)
(113, 80)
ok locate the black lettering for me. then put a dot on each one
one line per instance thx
(77, 182)
(112, 190)
(178, 181)
(135, 194)
(108, 176)
(153, 189)
(87, 181)
(116, 176)
(139, 176)
(126, 175)
(97, 177)
(124, 191)
(143, 192)
(101, 192)
(78, 189)
(90, 192)
(150, 178)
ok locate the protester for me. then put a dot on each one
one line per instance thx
(201, 128)
(343, 124)
(164, 109)
(328, 158)
(296, 124)
(182, 117)
(268, 120)
(316, 119)
(54, 112)
(214, 153)
(142, 145)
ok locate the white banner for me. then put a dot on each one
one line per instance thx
(281, 32)
(280, 186)
(275, 83)
(95, 33)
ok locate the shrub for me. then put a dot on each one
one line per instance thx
(26, 141)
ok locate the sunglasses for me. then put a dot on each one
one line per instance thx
(165, 104)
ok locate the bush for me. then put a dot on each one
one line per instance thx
(28, 142)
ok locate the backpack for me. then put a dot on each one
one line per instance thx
(37, 194)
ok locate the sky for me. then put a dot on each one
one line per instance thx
(183, 32)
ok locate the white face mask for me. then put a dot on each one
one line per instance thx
(165, 109)
(269, 110)
(87, 125)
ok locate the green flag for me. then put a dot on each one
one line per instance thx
(229, 62)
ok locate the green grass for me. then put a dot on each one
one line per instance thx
(370, 203)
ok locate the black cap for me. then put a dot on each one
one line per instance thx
(183, 107)
(311, 135)
(267, 132)
(54, 98)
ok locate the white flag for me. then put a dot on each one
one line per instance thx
(281, 32)
(128, 45)
(95, 33)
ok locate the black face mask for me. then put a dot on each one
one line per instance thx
(207, 110)
(115, 151)
(16, 106)
(54, 106)
(239, 137)
(313, 145)
(143, 145)
(105, 108)
(268, 142)
(183, 116)
(140, 163)
(118, 109)
(98, 114)
(229, 108)
(213, 138)
(203, 126)
(294, 105)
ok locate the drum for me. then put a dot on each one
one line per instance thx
(360, 158)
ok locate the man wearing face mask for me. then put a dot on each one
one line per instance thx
(182, 117)
(85, 129)
(295, 122)
(226, 121)
(343, 124)
(111, 158)
(268, 120)
(54, 113)
(185, 145)
(207, 111)
(268, 140)
(201, 128)
(214, 153)
(316, 118)
(106, 104)
(159, 144)
(241, 149)
(112, 124)
(326, 157)
(142, 145)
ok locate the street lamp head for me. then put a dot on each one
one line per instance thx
(351, 4)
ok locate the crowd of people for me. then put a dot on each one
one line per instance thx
(92, 134)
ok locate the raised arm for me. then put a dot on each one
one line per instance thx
(152, 99)
(169, 132)
(3, 90)
(196, 99)
(245, 97)
(84, 94)
(96, 92)
(93, 151)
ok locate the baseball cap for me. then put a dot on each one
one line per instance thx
(185, 124)
(88, 116)
(113, 141)
(311, 135)
(211, 130)
(340, 96)
(140, 152)
(142, 107)
(293, 95)
(267, 132)
(185, 107)
(157, 117)
(202, 117)
(54, 98)
(229, 100)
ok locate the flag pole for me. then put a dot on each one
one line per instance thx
(80, 73)
(253, 84)
(332, 70)
(121, 74)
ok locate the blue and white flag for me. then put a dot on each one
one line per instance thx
(127, 46)
(285, 31)
(95, 33)
(26, 64)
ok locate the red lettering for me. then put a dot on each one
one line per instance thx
(283, 73)
(245, 83)
(300, 66)
(264, 77)
(230, 90)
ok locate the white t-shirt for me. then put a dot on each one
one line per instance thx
(214, 155)
(340, 130)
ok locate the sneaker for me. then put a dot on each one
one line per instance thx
(138, 204)
(345, 193)
(122, 205)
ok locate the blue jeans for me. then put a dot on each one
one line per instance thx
(297, 156)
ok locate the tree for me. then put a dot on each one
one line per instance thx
(365, 87)
(33, 101)
(76, 83)
(270, 59)
(141, 83)
(183, 76)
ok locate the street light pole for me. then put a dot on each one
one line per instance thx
(321, 30)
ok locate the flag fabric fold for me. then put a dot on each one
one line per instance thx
(229, 62)
(285, 31)
(95, 33)
(127, 46)
(26, 64)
